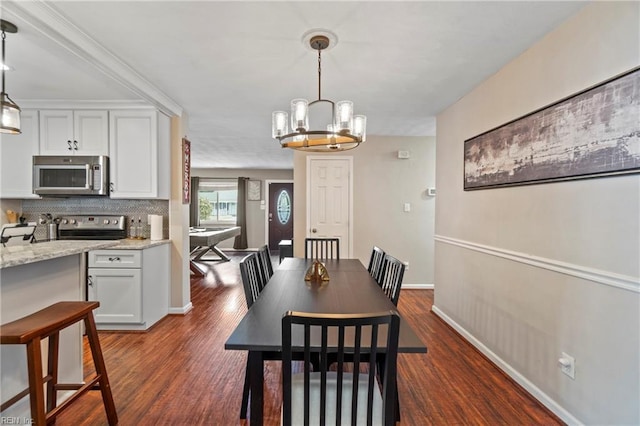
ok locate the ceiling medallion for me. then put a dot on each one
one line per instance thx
(343, 130)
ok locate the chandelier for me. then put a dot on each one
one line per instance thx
(343, 130)
(10, 116)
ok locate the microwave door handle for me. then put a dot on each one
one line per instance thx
(89, 176)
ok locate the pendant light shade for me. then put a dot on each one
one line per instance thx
(10, 112)
(341, 131)
(10, 116)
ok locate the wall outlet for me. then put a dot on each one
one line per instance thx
(406, 266)
(567, 365)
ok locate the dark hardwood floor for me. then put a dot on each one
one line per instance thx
(178, 373)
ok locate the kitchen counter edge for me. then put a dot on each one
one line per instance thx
(31, 253)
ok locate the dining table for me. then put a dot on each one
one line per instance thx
(350, 290)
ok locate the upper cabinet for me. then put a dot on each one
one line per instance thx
(16, 163)
(139, 154)
(74, 132)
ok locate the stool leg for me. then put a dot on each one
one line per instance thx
(52, 370)
(101, 369)
(36, 389)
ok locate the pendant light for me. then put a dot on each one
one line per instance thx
(341, 132)
(10, 116)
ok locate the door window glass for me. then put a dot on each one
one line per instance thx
(284, 207)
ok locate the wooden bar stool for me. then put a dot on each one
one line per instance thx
(48, 322)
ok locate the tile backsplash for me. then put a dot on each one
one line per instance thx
(32, 209)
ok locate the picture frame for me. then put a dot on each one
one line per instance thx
(589, 134)
(254, 189)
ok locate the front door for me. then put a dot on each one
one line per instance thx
(329, 209)
(280, 213)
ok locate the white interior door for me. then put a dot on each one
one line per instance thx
(329, 199)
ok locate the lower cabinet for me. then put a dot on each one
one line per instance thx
(132, 287)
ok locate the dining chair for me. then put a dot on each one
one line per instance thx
(266, 267)
(375, 263)
(326, 397)
(252, 278)
(391, 277)
(253, 284)
(322, 248)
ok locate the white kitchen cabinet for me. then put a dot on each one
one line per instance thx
(139, 154)
(74, 132)
(16, 162)
(132, 287)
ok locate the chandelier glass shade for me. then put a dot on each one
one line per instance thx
(343, 131)
(9, 111)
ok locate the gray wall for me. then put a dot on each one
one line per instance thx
(382, 183)
(255, 215)
(529, 272)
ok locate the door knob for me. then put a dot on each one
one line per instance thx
(314, 230)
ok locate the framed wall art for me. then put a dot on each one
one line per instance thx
(253, 190)
(589, 134)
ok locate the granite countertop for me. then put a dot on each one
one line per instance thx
(31, 253)
(134, 244)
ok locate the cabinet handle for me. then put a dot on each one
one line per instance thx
(90, 280)
(111, 186)
(70, 148)
(114, 259)
(75, 145)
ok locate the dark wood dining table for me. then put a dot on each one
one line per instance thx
(350, 290)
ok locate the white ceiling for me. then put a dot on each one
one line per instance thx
(228, 65)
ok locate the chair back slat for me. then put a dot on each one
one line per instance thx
(252, 278)
(375, 263)
(322, 248)
(356, 334)
(391, 277)
(264, 261)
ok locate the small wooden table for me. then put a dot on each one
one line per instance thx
(350, 290)
(203, 241)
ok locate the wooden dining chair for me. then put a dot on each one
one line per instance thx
(322, 248)
(391, 277)
(266, 267)
(375, 263)
(252, 278)
(337, 397)
(253, 284)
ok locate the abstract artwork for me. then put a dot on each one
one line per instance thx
(593, 133)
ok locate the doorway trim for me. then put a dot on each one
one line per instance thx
(266, 204)
(349, 158)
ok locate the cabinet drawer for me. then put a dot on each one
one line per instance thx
(115, 259)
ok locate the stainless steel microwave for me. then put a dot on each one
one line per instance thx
(67, 176)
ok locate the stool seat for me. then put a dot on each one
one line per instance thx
(47, 323)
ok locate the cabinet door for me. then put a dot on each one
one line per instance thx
(91, 132)
(56, 132)
(119, 292)
(16, 163)
(133, 150)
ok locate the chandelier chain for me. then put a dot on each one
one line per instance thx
(3, 61)
(319, 74)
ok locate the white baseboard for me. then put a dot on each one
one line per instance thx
(181, 311)
(538, 394)
(417, 286)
